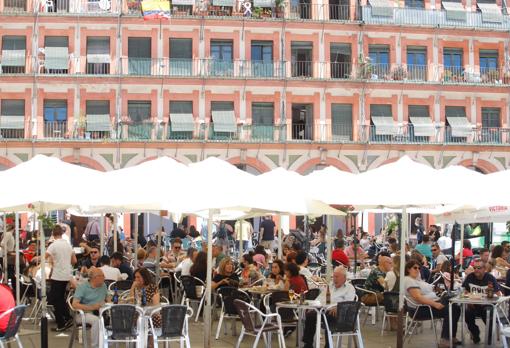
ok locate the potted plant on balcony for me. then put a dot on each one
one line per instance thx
(399, 73)
(365, 68)
(257, 12)
(80, 125)
(133, 5)
(279, 8)
(506, 78)
(492, 76)
(447, 75)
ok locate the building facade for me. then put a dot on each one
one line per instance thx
(261, 83)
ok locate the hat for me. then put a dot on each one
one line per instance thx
(259, 259)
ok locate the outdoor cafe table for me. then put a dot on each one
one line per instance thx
(315, 305)
(489, 303)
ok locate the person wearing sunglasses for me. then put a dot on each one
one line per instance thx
(422, 293)
(437, 258)
(479, 281)
(93, 260)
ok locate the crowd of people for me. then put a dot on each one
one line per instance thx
(428, 269)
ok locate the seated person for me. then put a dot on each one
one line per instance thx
(199, 268)
(93, 260)
(276, 279)
(117, 261)
(144, 282)
(110, 273)
(359, 254)
(338, 255)
(185, 266)
(151, 259)
(6, 304)
(375, 282)
(294, 280)
(226, 275)
(90, 297)
(250, 274)
(421, 292)
(174, 256)
(478, 282)
(341, 291)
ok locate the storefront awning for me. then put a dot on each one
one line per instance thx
(454, 11)
(490, 13)
(384, 125)
(182, 123)
(460, 126)
(423, 126)
(12, 122)
(224, 121)
(383, 8)
(98, 123)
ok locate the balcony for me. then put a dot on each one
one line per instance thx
(433, 18)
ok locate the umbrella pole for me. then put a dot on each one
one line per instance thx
(403, 234)
(44, 319)
(16, 223)
(207, 310)
(101, 235)
(115, 233)
(4, 252)
(240, 239)
(158, 249)
(135, 251)
(280, 238)
(329, 265)
(452, 272)
(461, 248)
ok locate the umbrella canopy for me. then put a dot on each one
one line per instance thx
(45, 183)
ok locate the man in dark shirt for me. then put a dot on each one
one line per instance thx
(117, 261)
(267, 232)
(178, 232)
(375, 282)
(478, 282)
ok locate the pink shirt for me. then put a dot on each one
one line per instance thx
(350, 252)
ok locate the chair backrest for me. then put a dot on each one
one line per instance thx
(244, 311)
(173, 318)
(123, 321)
(229, 295)
(346, 316)
(391, 302)
(312, 294)
(121, 285)
(15, 317)
(189, 286)
(281, 296)
(466, 261)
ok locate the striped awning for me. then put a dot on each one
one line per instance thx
(223, 3)
(98, 123)
(56, 58)
(182, 123)
(263, 3)
(454, 11)
(423, 126)
(13, 58)
(490, 13)
(12, 122)
(383, 8)
(460, 126)
(98, 58)
(224, 121)
(385, 125)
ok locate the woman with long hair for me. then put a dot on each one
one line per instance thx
(226, 274)
(199, 268)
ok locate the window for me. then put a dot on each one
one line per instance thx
(97, 107)
(12, 119)
(341, 122)
(139, 55)
(302, 121)
(453, 66)
(262, 115)
(417, 63)
(139, 111)
(182, 124)
(414, 4)
(56, 54)
(15, 6)
(339, 10)
(13, 54)
(301, 9)
(181, 57)
(224, 124)
(491, 123)
(382, 126)
(421, 126)
(301, 52)
(458, 127)
(98, 55)
(55, 118)
(380, 110)
(379, 60)
(221, 63)
(489, 65)
(262, 58)
(98, 118)
(340, 57)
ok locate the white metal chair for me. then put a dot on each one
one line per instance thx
(251, 316)
(81, 314)
(126, 324)
(189, 286)
(174, 328)
(390, 307)
(411, 322)
(227, 296)
(15, 316)
(346, 323)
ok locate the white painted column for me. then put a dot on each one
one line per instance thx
(159, 105)
(398, 50)
(400, 109)
(435, 60)
(473, 111)
(471, 56)
(323, 129)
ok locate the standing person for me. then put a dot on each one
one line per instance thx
(222, 237)
(267, 228)
(62, 257)
(92, 230)
(243, 232)
(8, 245)
(419, 229)
(90, 297)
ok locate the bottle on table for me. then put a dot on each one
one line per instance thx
(490, 290)
(328, 295)
(115, 298)
(144, 297)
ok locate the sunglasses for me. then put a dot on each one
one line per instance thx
(94, 252)
(478, 267)
(177, 247)
(416, 267)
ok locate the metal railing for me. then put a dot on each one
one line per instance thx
(151, 131)
(433, 18)
(95, 7)
(14, 6)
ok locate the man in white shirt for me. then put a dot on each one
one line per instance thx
(8, 243)
(341, 291)
(110, 273)
(62, 257)
(445, 243)
(437, 258)
(243, 232)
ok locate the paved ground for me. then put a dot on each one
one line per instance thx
(371, 336)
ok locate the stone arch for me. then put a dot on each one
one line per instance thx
(330, 161)
(260, 166)
(87, 161)
(151, 158)
(6, 163)
(484, 166)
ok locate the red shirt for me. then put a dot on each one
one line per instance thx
(29, 255)
(339, 256)
(6, 302)
(298, 284)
